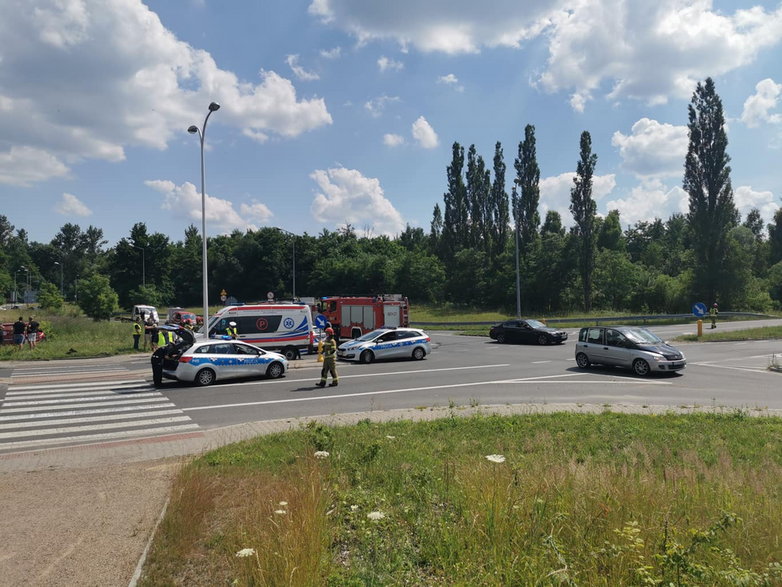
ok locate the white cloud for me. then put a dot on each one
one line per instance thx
(70, 205)
(650, 50)
(377, 106)
(185, 202)
(109, 75)
(392, 140)
(555, 193)
(649, 200)
(745, 198)
(451, 80)
(424, 134)
(757, 106)
(298, 70)
(653, 149)
(334, 53)
(347, 197)
(385, 64)
(24, 166)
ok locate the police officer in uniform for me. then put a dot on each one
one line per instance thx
(329, 360)
(137, 330)
(157, 359)
(231, 330)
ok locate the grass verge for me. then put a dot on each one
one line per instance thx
(608, 499)
(763, 333)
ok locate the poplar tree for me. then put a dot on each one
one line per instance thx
(456, 215)
(525, 204)
(499, 203)
(583, 208)
(707, 181)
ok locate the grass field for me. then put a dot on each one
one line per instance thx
(557, 499)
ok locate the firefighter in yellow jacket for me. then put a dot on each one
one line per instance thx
(329, 360)
(713, 315)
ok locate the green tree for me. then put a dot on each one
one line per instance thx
(707, 181)
(49, 296)
(456, 211)
(499, 204)
(583, 208)
(96, 297)
(527, 197)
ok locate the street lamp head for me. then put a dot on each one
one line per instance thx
(193, 129)
(56, 262)
(214, 106)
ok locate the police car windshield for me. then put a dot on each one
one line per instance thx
(372, 335)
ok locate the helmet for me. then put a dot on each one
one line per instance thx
(232, 324)
(715, 304)
(329, 331)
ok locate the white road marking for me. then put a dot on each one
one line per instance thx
(25, 415)
(110, 426)
(91, 438)
(750, 369)
(123, 401)
(84, 420)
(427, 388)
(131, 382)
(43, 396)
(540, 362)
(50, 402)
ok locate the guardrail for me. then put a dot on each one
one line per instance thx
(603, 319)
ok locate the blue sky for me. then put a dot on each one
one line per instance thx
(344, 111)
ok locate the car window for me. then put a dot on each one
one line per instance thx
(243, 349)
(222, 349)
(387, 337)
(595, 335)
(204, 350)
(536, 324)
(615, 338)
(642, 336)
(406, 334)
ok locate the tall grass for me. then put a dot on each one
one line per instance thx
(70, 335)
(575, 499)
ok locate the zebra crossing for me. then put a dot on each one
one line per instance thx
(50, 415)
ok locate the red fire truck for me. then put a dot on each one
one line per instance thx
(352, 316)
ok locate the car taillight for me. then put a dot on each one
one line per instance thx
(428, 339)
(185, 359)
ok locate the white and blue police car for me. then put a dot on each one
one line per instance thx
(204, 361)
(386, 343)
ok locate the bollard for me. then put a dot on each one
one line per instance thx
(700, 328)
(320, 351)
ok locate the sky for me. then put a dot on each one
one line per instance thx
(338, 112)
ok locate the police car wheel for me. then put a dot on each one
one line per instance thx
(367, 357)
(275, 370)
(205, 377)
(418, 353)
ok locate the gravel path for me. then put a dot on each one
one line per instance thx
(76, 527)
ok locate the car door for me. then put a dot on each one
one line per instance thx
(224, 360)
(617, 348)
(594, 345)
(526, 333)
(385, 345)
(248, 363)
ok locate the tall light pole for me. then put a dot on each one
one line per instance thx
(213, 107)
(62, 286)
(16, 291)
(143, 264)
(518, 275)
(294, 258)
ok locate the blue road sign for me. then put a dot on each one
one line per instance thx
(320, 321)
(699, 309)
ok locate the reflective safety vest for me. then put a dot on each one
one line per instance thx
(136, 328)
(232, 332)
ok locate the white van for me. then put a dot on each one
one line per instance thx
(145, 313)
(284, 327)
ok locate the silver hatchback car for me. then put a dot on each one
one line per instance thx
(386, 343)
(631, 347)
(206, 361)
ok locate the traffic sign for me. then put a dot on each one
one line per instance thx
(270, 295)
(699, 309)
(320, 321)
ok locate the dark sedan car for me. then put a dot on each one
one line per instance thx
(529, 331)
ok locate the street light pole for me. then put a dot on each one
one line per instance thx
(213, 107)
(62, 283)
(294, 258)
(143, 264)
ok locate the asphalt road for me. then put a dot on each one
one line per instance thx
(96, 401)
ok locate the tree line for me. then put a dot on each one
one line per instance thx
(469, 255)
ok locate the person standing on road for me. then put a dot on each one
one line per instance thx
(32, 331)
(19, 329)
(329, 360)
(713, 315)
(157, 359)
(137, 330)
(231, 330)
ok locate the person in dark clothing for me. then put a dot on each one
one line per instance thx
(19, 331)
(157, 359)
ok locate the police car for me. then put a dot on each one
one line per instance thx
(386, 343)
(208, 360)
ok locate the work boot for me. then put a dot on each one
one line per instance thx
(321, 384)
(333, 384)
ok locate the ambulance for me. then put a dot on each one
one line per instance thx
(282, 327)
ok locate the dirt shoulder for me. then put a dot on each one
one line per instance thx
(74, 527)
